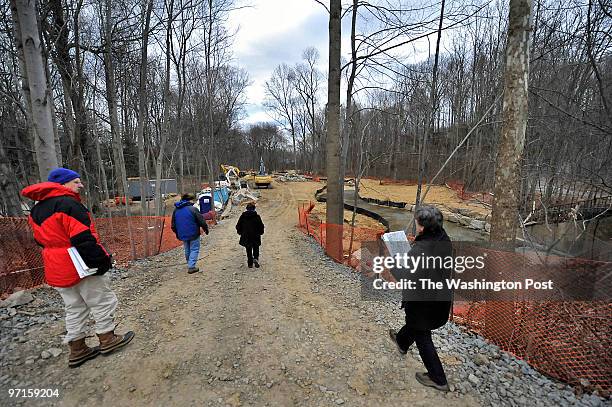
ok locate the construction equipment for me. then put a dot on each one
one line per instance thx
(262, 179)
(237, 179)
(232, 173)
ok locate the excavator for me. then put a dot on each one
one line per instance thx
(232, 174)
(236, 177)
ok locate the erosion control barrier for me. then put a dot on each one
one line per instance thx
(126, 238)
(567, 340)
(385, 202)
(459, 188)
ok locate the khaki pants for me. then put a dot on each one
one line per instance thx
(91, 296)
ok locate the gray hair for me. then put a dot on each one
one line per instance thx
(429, 217)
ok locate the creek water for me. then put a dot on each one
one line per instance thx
(592, 240)
(400, 219)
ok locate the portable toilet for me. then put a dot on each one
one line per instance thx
(206, 203)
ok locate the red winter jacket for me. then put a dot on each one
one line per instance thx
(59, 221)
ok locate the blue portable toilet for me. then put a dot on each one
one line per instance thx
(206, 203)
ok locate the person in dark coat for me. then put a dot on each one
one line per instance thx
(426, 311)
(186, 224)
(250, 228)
(60, 222)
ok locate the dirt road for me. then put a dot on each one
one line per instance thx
(289, 333)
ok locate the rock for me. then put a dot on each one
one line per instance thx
(17, 299)
(45, 354)
(55, 352)
(480, 359)
(234, 400)
(473, 379)
(359, 385)
(477, 224)
(339, 401)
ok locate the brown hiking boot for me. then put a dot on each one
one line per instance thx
(109, 342)
(80, 352)
(192, 270)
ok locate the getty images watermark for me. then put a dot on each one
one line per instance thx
(474, 272)
(433, 264)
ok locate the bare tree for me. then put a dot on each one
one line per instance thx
(432, 116)
(308, 82)
(159, 202)
(142, 103)
(504, 218)
(335, 185)
(281, 93)
(28, 40)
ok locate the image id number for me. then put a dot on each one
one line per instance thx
(33, 393)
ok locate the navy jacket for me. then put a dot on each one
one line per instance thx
(187, 221)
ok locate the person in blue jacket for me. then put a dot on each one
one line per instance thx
(186, 224)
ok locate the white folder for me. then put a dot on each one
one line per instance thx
(79, 264)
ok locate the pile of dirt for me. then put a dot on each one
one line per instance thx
(361, 221)
(438, 195)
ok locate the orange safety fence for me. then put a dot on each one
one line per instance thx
(127, 238)
(459, 188)
(322, 232)
(567, 340)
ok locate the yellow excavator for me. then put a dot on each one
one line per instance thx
(235, 176)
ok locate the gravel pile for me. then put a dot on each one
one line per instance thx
(473, 365)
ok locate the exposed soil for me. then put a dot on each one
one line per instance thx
(438, 195)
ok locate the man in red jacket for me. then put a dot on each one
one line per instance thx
(60, 221)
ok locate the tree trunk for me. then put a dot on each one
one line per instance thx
(432, 117)
(510, 151)
(335, 187)
(142, 109)
(9, 190)
(500, 316)
(111, 100)
(348, 127)
(159, 202)
(24, 18)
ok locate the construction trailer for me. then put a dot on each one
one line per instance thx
(168, 186)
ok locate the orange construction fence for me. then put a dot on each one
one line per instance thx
(567, 340)
(459, 188)
(127, 238)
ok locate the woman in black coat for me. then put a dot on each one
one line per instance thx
(426, 310)
(250, 228)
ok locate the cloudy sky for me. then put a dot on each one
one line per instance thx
(271, 32)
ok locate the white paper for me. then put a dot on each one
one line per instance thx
(79, 263)
(396, 242)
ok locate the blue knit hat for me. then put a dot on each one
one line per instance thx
(62, 175)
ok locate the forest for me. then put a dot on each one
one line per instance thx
(150, 89)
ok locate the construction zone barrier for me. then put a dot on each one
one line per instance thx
(126, 238)
(339, 234)
(385, 202)
(459, 188)
(567, 340)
